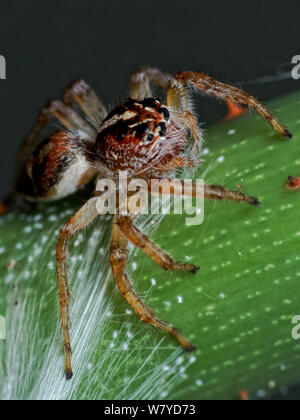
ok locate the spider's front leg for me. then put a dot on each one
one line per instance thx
(211, 192)
(70, 120)
(79, 221)
(62, 111)
(80, 92)
(142, 78)
(118, 260)
(65, 115)
(178, 96)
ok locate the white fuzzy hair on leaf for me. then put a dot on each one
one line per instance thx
(115, 356)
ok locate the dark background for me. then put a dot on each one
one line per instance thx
(47, 44)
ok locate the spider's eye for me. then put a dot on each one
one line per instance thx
(141, 128)
(163, 129)
(165, 113)
(121, 132)
(150, 137)
(121, 136)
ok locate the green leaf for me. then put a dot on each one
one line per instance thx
(237, 309)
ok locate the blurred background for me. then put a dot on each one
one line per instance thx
(49, 44)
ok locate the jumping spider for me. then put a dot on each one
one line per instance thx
(142, 136)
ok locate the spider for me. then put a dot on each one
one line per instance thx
(147, 138)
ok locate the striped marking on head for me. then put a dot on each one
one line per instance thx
(143, 121)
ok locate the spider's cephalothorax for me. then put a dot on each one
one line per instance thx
(142, 136)
(134, 137)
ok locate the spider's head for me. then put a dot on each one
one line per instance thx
(131, 136)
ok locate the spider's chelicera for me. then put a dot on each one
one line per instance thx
(144, 136)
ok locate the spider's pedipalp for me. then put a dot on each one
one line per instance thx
(178, 100)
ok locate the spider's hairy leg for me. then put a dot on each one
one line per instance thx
(215, 192)
(80, 92)
(118, 257)
(142, 78)
(189, 121)
(209, 86)
(212, 192)
(77, 222)
(177, 162)
(150, 248)
(67, 117)
(54, 109)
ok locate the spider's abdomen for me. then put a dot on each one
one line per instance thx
(132, 136)
(56, 168)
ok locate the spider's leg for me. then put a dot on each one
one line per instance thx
(118, 256)
(69, 118)
(151, 249)
(80, 92)
(178, 95)
(79, 221)
(175, 163)
(66, 116)
(215, 192)
(188, 120)
(142, 78)
(212, 192)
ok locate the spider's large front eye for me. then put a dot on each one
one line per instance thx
(141, 128)
(163, 129)
(121, 132)
(166, 113)
(150, 137)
